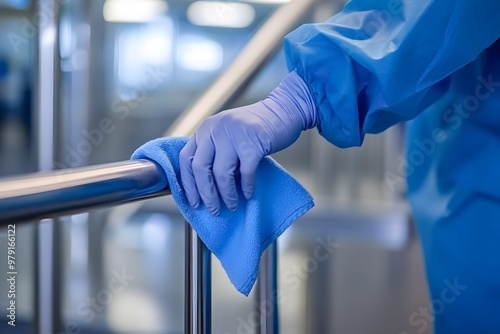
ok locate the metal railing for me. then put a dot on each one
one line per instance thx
(51, 194)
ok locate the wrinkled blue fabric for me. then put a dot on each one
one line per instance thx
(234, 141)
(380, 62)
(239, 237)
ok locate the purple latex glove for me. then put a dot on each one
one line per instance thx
(235, 141)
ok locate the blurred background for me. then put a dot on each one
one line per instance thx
(125, 70)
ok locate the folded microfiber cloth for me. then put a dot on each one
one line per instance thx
(237, 238)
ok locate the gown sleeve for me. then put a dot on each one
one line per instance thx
(380, 62)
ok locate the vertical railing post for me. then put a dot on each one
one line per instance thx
(46, 257)
(267, 290)
(198, 298)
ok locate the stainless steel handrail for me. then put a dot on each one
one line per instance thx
(198, 276)
(49, 194)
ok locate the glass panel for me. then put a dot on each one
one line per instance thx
(124, 274)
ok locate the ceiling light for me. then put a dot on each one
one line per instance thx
(197, 53)
(133, 10)
(221, 14)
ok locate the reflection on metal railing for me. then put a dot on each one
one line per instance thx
(49, 194)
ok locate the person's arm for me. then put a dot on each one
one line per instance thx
(376, 63)
(380, 62)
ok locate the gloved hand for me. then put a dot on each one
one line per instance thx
(236, 140)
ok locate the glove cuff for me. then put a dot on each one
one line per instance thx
(294, 97)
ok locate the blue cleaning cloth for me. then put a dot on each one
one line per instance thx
(237, 238)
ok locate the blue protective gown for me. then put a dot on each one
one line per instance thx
(380, 62)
